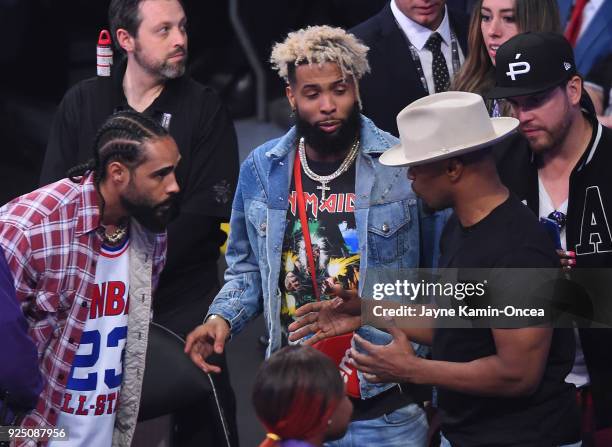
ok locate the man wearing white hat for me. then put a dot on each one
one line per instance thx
(495, 386)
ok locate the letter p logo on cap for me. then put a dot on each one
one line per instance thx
(517, 68)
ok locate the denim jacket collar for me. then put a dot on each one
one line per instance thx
(372, 141)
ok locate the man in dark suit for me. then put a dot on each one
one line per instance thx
(416, 46)
(591, 37)
(461, 5)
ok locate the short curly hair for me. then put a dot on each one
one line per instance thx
(318, 45)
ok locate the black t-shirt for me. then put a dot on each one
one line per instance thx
(335, 242)
(207, 173)
(510, 236)
(333, 235)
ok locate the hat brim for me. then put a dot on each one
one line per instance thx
(396, 156)
(510, 92)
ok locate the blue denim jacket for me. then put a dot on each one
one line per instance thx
(387, 217)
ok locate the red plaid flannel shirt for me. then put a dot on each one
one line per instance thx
(51, 242)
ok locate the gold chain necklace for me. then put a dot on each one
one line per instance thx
(325, 179)
(117, 236)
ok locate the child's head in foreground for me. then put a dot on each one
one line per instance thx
(298, 394)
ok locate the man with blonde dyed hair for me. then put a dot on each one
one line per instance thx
(305, 208)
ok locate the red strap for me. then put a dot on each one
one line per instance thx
(297, 176)
(336, 347)
(575, 23)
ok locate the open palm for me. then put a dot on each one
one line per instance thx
(324, 319)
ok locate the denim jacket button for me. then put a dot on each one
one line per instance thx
(385, 228)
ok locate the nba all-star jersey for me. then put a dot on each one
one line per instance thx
(92, 391)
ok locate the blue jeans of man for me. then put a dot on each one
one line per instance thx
(405, 427)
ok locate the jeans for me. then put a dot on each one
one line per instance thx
(445, 443)
(406, 427)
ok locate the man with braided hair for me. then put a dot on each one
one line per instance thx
(152, 79)
(79, 250)
(306, 207)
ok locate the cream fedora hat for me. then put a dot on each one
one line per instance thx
(445, 125)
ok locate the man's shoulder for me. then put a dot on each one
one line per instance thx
(372, 27)
(513, 159)
(458, 18)
(199, 102)
(517, 212)
(510, 236)
(256, 167)
(606, 140)
(598, 155)
(527, 241)
(264, 148)
(43, 205)
(87, 88)
(275, 148)
(460, 22)
(374, 139)
(196, 91)
(261, 157)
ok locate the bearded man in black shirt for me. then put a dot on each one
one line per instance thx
(564, 173)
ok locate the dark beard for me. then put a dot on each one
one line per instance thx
(154, 218)
(334, 143)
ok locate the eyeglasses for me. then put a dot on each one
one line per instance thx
(559, 218)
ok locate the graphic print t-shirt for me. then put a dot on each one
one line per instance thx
(333, 236)
(89, 402)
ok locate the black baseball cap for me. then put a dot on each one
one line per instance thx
(531, 63)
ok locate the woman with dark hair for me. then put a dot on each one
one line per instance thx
(493, 22)
(300, 399)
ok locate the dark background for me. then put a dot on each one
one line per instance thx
(46, 46)
(49, 45)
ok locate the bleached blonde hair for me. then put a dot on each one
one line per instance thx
(318, 45)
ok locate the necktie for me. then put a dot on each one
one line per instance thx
(575, 23)
(439, 68)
